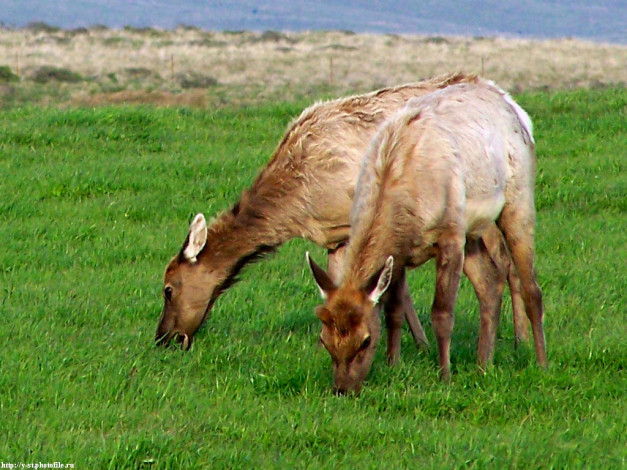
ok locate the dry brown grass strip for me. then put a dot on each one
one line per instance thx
(252, 66)
(195, 98)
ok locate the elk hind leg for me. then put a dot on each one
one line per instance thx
(488, 280)
(497, 247)
(521, 322)
(518, 227)
(415, 327)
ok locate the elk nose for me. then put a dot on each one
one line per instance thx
(185, 341)
(340, 391)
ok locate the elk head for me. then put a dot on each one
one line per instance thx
(188, 290)
(350, 324)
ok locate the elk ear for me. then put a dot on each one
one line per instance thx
(196, 238)
(324, 315)
(383, 281)
(325, 284)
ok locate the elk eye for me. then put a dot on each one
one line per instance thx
(365, 344)
(167, 293)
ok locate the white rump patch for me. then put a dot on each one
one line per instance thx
(522, 115)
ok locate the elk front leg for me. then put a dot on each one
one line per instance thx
(394, 317)
(398, 306)
(449, 260)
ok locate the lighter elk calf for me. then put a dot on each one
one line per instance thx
(437, 176)
(305, 191)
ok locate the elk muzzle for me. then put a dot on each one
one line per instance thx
(347, 378)
(166, 331)
(166, 340)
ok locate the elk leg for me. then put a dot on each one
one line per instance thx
(394, 317)
(488, 280)
(521, 322)
(497, 247)
(518, 228)
(449, 259)
(411, 316)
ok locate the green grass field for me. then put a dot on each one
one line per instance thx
(95, 202)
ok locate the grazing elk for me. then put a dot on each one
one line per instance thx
(436, 178)
(305, 191)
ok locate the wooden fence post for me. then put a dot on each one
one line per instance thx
(331, 70)
(172, 68)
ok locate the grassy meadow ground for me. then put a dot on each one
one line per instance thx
(96, 200)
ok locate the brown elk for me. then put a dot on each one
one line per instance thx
(436, 178)
(305, 191)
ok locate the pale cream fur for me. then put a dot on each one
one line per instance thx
(451, 157)
(437, 176)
